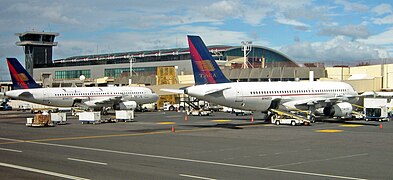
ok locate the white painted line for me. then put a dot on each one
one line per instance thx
(42, 171)
(193, 160)
(320, 160)
(12, 150)
(198, 161)
(14, 140)
(196, 177)
(87, 161)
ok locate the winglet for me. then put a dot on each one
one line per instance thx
(205, 68)
(21, 79)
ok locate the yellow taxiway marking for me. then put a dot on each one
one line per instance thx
(221, 120)
(329, 131)
(15, 141)
(167, 122)
(351, 125)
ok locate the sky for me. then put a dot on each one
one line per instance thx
(331, 31)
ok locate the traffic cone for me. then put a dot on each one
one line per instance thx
(380, 126)
(173, 129)
(186, 117)
(252, 119)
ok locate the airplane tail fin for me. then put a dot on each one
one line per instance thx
(21, 79)
(205, 68)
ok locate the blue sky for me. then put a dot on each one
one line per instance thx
(331, 31)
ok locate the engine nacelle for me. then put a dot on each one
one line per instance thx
(127, 105)
(343, 109)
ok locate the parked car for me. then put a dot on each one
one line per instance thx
(200, 112)
(227, 109)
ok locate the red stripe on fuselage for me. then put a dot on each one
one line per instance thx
(197, 57)
(14, 74)
(268, 95)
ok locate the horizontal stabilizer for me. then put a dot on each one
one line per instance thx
(212, 91)
(176, 91)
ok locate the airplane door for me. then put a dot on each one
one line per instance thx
(45, 98)
(145, 95)
(239, 94)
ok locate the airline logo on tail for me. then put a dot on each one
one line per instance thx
(20, 78)
(205, 68)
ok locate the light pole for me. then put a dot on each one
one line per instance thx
(246, 50)
(130, 78)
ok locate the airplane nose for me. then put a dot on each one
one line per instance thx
(155, 96)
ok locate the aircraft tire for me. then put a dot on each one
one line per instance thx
(273, 117)
(312, 119)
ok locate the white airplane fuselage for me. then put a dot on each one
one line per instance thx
(258, 96)
(66, 97)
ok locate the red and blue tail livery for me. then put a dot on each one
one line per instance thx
(21, 79)
(205, 68)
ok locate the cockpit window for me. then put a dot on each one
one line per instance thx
(151, 90)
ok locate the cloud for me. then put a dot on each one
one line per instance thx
(383, 38)
(382, 9)
(88, 27)
(385, 20)
(223, 9)
(339, 49)
(299, 25)
(349, 6)
(56, 13)
(175, 37)
(350, 30)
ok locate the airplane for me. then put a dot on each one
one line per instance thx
(123, 98)
(211, 85)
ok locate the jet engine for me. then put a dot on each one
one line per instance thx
(127, 105)
(343, 109)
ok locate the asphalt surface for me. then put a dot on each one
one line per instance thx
(222, 146)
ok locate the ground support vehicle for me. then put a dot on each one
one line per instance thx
(200, 112)
(242, 112)
(40, 119)
(281, 117)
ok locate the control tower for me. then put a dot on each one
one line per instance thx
(37, 47)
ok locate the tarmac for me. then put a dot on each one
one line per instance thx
(166, 145)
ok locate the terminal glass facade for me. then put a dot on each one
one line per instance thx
(72, 74)
(116, 72)
(272, 58)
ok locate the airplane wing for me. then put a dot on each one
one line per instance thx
(103, 101)
(317, 102)
(378, 94)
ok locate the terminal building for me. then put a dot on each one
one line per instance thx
(147, 66)
(267, 65)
